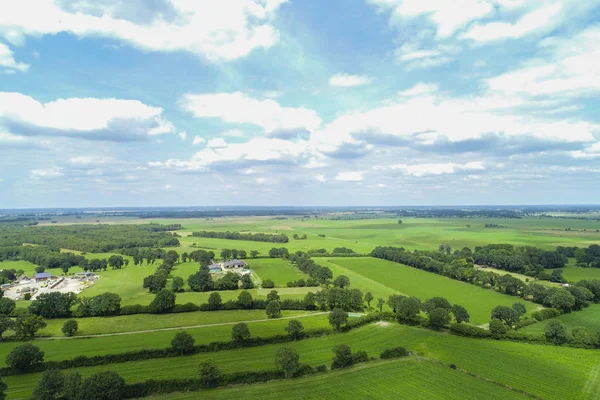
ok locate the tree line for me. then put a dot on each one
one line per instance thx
(255, 237)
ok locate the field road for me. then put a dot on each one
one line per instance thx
(175, 328)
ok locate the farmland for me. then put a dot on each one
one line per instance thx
(412, 378)
(589, 318)
(385, 278)
(521, 366)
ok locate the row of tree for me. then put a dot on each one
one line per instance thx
(255, 237)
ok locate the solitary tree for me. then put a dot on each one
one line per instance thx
(209, 373)
(369, 298)
(70, 327)
(273, 296)
(498, 328)
(245, 299)
(27, 325)
(50, 386)
(183, 343)
(288, 360)
(408, 309)
(6, 324)
(240, 332)
(273, 309)
(337, 318)
(163, 302)
(556, 332)
(380, 303)
(177, 284)
(214, 301)
(295, 329)
(106, 385)
(342, 357)
(341, 281)
(460, 313)
(24, 357)
(254, 253)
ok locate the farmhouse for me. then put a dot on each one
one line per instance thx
(215, 268)
(235, 264)
(42, 276)
(84, 275)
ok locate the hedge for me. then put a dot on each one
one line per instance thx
(546, 313)
(469, 330)
(395, 352)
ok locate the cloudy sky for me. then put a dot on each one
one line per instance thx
(299, 102)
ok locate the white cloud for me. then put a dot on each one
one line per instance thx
(433, 169)
(320, 178)
(346, 80)
(571, 68)
(533, 21)
(222, 30)
(198, 140)
(49, 173)
(448, 16)
(420, 89)
(234, 156)
(182, 135)
(91, 160)
(7, 60)
(238, 108)
(87, 118)
(381, 185)
(233, 133)
(351, 176)
(216, 143)
(414, 56)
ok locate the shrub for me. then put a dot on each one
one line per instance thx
(134, 309)
(360, 356)
(321, 368)
(268, 284)
(469, 330)
(27, 296)
(394, 353)
(453, 366)
(343, 356)
(210, 375)
(546, 313)
(556, 332)
(106, 385)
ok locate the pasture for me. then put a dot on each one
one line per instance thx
(588, 317)
(522, 366)
(383, 278)
(411, 378)
(278, 270)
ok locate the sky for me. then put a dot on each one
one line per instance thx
(299, 102)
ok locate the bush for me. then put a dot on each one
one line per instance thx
(343, 356)
(209, 374)
(70, 327)
(106, 385)
(394, 353)
(321, 368)
(469, 330)
(27, 296)
(360, 356)
(183, 343)
(268, 284)
(453, 366)
(134, 309)
(556, 332)
(546, 313)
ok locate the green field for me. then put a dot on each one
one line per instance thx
(411, 378)
(279, 271)
(27, 267)
(61, 349)
(522, 366)
(385, 277)
(574, 273)
(589, 318)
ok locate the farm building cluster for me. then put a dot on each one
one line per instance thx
(45, 282)
(238, 266)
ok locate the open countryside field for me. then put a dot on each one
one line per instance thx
(278, 270)
(411, 378)
(521, 366)
(589, 318)
(385, 277)
(27, 267)
(62, 349)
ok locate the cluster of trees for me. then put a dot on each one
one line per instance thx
(55, 384)
(227, 254)
(504, 318)
(303, 237)
(202, 281)
(589, 257)
(310, 282)
(60, 305)
(200, 256)
(308, 266)
(438, 309)
(337, 252)
(526, 260)
(557, 332)
(281, 252)
(92, 238)
(494, 226)
(25, 325)
(255, 237)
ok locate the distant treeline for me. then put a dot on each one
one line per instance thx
(457, 213)
(255, 237)
(91, 238)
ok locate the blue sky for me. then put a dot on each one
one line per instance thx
(299, 102)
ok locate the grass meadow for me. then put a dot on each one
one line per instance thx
(522, 366)
(383, 278)
(410, 378)
(589, 318)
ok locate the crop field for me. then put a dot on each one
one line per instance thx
(61, 349)
(589, 318)
(410, 378)
(573, 273)
(521, 366)
(383, 278)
